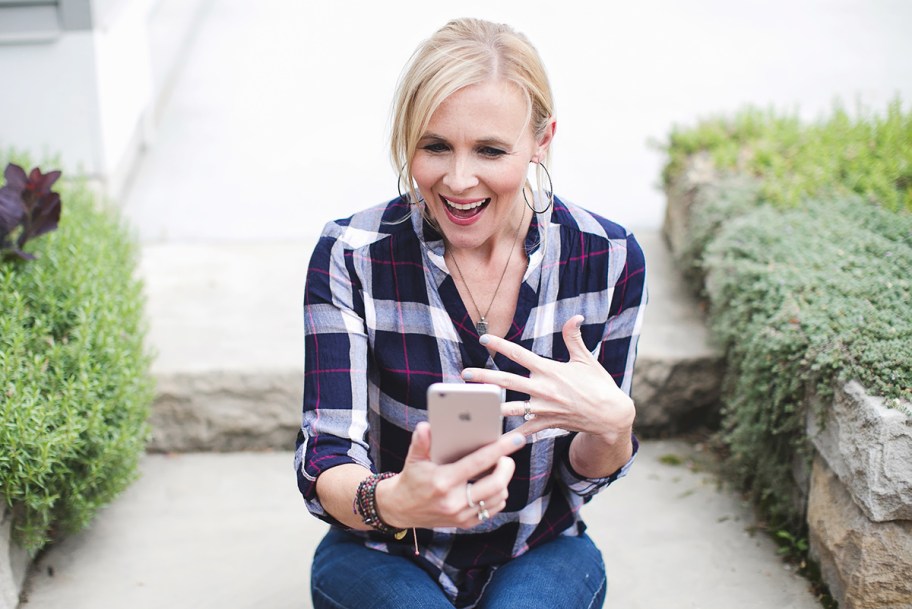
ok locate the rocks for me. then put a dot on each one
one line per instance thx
(866, 564)
(676, 395)
(869, 447)
(678, 372)
(225, 321)
(226, 411)
(860, 500)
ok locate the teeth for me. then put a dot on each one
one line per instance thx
(465, 207)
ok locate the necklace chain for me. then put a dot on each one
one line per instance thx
(482, 325)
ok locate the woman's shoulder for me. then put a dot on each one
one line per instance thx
(369, 225)
(576, 218)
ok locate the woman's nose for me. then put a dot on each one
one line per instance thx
(460, 175)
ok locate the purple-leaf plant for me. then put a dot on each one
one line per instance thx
(27, 203)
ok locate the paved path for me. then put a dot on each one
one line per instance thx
(229, 166)
(230, 531)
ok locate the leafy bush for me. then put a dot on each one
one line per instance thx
(808, 283)
(28, 208)
(805, 298)
(870, 156)
(74, 377)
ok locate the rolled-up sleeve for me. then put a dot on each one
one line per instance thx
(617, 354)
(334, 423)
(589, 487)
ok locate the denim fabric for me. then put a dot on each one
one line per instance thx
(565, 572)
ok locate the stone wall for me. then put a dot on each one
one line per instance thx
(860, 500)
(226, 411)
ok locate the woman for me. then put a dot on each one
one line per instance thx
(467, 277)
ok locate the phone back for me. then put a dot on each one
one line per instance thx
(463, 417)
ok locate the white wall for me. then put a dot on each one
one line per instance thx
(277, 117)
(49, 103)
(84, 96)
(623, 73)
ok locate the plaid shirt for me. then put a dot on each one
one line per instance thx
(383, 320)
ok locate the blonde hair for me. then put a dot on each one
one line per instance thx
(464, 52)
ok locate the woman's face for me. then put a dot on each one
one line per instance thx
(471, 162)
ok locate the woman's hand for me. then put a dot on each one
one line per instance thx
(428, 495)
(578, 395)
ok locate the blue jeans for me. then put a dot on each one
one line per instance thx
(566, 572)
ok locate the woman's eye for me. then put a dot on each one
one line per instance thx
(492, 152)
(435, 147)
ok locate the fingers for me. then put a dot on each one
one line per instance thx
(518, 354)
(420, 448)
(523, 408)
(483, 459)
(573, 338)
(512, 409)
(531, 410)
(507, 380)
(487, 497)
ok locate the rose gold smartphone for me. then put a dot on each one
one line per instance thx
(464, 417)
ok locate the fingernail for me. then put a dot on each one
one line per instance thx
(467, 375)
(485, 339)
(518, 439)
(580, 322)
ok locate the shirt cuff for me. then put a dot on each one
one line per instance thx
(588, 487)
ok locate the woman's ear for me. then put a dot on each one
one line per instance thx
(545, 140)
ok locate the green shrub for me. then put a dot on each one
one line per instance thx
(870, 156)
(799, 299)
(75, 387)
(808, 283)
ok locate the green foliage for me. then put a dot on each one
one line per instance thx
(74, 376)
(870, 156)
(798, 298)
(791, 546)
(809, 284)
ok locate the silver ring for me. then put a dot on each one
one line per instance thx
(482, 511)
(528, 415)
(469, 494)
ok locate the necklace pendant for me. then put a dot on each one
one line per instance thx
(482, 326)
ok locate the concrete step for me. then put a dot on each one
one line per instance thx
(226, 324)
(230, 530)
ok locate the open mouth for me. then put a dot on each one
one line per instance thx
(461, 211)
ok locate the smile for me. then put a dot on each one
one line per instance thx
(465, 206)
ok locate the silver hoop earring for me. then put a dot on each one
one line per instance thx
(405, 198)
(550, 192)
(399, 186)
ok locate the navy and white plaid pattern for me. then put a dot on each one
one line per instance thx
(384, 320)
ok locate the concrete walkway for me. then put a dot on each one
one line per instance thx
(230, 530)
(213, 198)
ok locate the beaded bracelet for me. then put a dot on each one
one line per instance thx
(365, 505)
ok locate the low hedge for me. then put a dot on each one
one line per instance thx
(803, 294)
(801, 299)
(869, 154)
(74, 374)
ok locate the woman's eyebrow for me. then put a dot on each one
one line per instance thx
(494, 141)
(487, 141)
